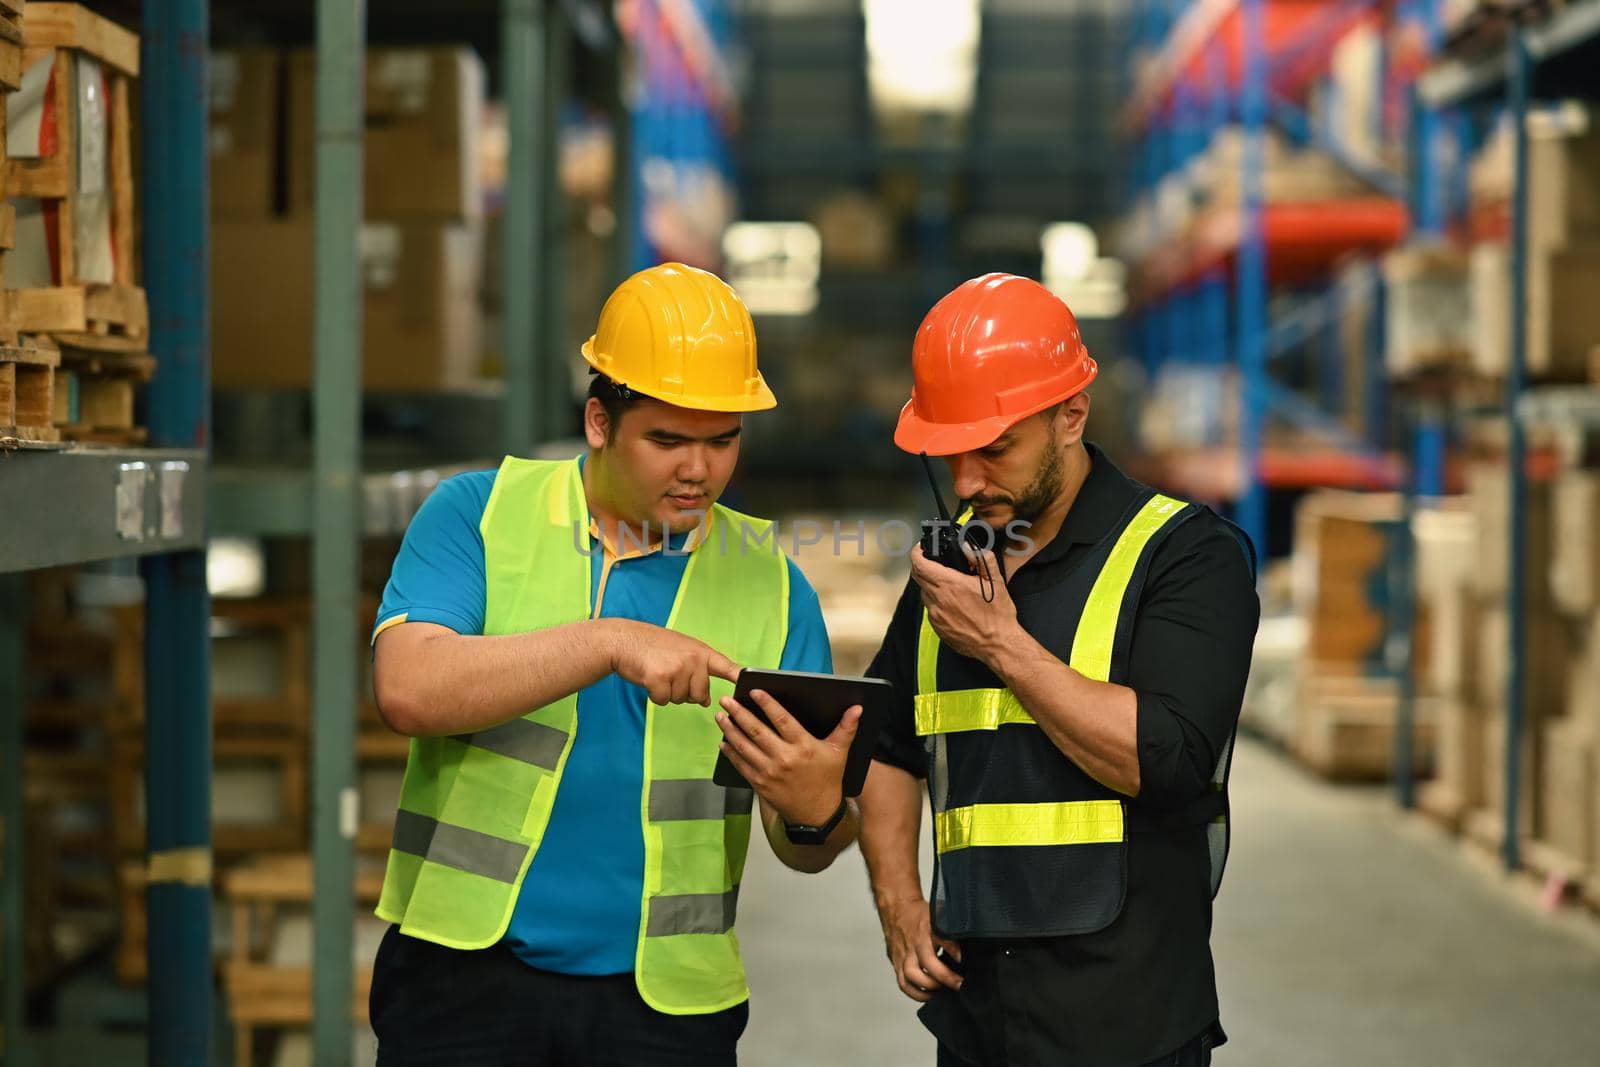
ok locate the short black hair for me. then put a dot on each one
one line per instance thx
(615, 398)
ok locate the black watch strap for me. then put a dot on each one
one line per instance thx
(801, 834)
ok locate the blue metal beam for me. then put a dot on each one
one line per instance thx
(177, 659)
(1251, 295)
(1518, 78)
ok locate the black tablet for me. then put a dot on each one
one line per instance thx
(818, 702)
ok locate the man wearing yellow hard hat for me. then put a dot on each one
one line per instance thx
(556, 637)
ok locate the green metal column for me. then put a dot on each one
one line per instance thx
(336, 503)
(522, 59)
(555, 381)
(13, 986)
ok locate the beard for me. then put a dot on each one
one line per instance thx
(1040, 492)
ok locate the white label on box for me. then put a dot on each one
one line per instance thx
(91, 127)
(25, 110)
(380, 254)
(220, 141)
(409, 75)
(223, 80)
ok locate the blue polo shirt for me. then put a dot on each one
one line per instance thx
(578, 911)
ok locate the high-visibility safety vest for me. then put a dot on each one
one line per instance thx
(474, 807)
(1026, 843)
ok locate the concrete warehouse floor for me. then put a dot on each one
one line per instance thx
(1346, 934)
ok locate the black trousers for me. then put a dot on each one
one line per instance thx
(1196, 1053)
(432, 1005)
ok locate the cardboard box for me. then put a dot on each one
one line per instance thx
(1494, 772)
(1428, 316)
(1488, 491)
(246, 90)
(1568, 790)
(1575, 552)
(422, 321)
(1459, 750)
(423, 112)
(1344, 543)
(1583, 679)
(1563, 175)
(1563, 315)
(1549, 647)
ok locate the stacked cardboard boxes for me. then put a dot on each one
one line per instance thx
(1461, 578)
(1563, 324)
(421, 244)
(1347, 710)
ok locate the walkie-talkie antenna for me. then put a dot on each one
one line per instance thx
(933, 483)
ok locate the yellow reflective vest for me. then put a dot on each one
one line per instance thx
(473, 807)
(1026, 843)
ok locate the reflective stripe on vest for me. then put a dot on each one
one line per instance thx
(939, 714)
(960, 710)
(1077, 822)
(474, 807)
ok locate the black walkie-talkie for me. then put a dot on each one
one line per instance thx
(941, 538)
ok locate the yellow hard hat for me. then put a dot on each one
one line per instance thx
(682, 335)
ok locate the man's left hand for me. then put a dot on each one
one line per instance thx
(800, 776)
(958, 610)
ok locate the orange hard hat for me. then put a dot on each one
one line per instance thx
(995, 350)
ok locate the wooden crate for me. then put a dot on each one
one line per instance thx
(27, 392)
(81, 301)
(95, 395)
(285, 758)
(261, 994)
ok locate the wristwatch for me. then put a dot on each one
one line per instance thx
(801, 834)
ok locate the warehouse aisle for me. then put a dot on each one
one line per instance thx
(1345, 934)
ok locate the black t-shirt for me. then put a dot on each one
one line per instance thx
(1144, 986)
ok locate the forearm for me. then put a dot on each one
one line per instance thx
(1094, 724)
(439, 682)
(891, 820)
(809, 859)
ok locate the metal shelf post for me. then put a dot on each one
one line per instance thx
(336, 507)
(13, 981)
(1518, 77)
(522, 33)
(1251, 295)
(177, 660)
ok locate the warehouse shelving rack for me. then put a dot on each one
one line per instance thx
(1551, 56)
(1252, 62)
(83, 505)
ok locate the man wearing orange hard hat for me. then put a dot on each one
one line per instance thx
(559, 639)
(1068, 687)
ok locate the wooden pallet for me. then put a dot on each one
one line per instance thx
(11, 42)
(80, 299)
(27, 393)
(85, 316)
(262, 995)
(95, 394)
